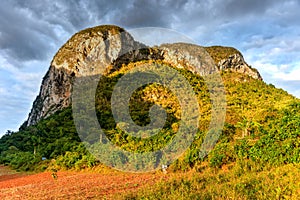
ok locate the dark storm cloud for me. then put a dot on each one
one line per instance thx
(29, 29)
(32, 29)
(151, 13)
(67, 14)
(245, 7)
(21, 37)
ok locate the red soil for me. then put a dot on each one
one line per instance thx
(72, 185)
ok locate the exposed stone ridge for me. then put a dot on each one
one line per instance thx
(112, 46)
(237, 63)
(188, 56)
(229, 58)
(102, 44)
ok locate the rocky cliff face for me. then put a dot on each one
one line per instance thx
(188, 56)
(112, 45)
(103, 44)
(237, 63)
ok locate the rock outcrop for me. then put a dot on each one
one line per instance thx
(230, 59)
(188, 56)
(237, 63)
(103, 44)
(112, 45)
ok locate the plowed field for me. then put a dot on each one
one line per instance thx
(71, 185)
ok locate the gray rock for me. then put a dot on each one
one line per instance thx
(237, 63)
(102, 44)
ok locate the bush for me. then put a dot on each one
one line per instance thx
(24, 161)
(222, 154)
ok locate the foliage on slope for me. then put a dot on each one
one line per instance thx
(261, 126)
(275, 183)
(219, 53)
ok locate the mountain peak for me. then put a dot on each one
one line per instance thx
(82, 44)
(112, 45)
(229, 58)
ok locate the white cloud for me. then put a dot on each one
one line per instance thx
(18, 89)
(3, 91)
(293, 75)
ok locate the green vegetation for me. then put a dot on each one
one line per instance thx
(275, 183)
(259, 145)
(50, 138)
(219, 53)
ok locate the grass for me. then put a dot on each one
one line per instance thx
(274, 183)
(6, 171)
(241, 180)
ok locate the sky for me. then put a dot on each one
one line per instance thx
(31, 31)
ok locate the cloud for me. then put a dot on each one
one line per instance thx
(33, 30)
(237, 8)
(18, 89)
(292, 75)
(145, 13)
(291, 86)
(23, 37)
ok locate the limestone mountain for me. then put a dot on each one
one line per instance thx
(55, 91)
(258, 148)
(111, 45)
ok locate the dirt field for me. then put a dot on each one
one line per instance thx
(71, 185)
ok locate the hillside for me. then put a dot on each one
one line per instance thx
(260, 133)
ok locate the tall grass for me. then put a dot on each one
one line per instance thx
(271, 183)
